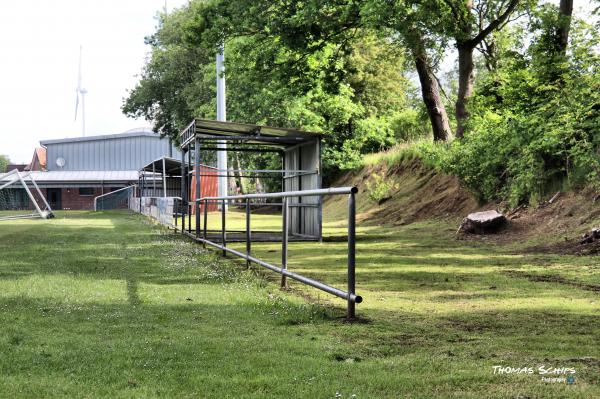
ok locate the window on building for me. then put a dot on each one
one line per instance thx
(86, 191)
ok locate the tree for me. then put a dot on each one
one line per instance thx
(301, 29)
(470, 22)
(4, 161)
(564, 25)
(353, 90)
(161, 95)
(430, 90)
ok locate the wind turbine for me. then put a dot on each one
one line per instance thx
(80, 92)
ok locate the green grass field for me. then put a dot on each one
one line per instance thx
(111, 305)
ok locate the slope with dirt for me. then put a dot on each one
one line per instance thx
(409, 192)
(415, 193)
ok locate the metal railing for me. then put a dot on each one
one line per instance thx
(349, 295)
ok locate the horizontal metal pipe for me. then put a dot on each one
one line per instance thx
(242, 149)
(266, 170)
(301, 174)
(303, 193)
(208, 137)
(298, 277)
(244, 176)
(258, 204)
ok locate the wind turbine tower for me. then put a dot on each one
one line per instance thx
(81, 92)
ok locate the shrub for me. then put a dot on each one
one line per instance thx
(380, 188)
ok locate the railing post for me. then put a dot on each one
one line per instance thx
(188, 179)
(284, 241)
(198, 181)
(205, 222)
(223, 234)
(176, 208)
(351, 254)
(248, 232)
(183, 190)
(141, 191)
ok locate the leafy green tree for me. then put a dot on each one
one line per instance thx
(531, 135)
(4, 161)
(162, 94)
(468, 23)
(352, 92)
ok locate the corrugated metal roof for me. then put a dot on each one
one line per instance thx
(83, 176)
(172, 166)
(246, 133)
(128, 151)
(100, 137)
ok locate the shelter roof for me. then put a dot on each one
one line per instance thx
(210, 130)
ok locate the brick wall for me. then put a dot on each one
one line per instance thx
(71, 199)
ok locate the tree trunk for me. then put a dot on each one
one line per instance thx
(431, 96)
(465, 85)
(564, 25)
(239, 174)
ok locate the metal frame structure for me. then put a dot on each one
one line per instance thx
(165, 172)
(301, 198)
(349, 295)
(300, 153)
(46, 213)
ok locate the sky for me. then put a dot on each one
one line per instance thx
(40, 42)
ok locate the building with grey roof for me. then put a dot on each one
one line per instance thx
(79, 169)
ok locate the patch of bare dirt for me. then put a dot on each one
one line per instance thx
(559, 225)
(419, 193)
(568, 247)
(554, 279)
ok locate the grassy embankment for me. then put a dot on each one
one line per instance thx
(108, 305)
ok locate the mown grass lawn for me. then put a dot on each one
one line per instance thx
(110, 305)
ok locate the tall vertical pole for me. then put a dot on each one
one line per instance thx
(284, 241)
(205, 224)
(183, 201)
(351, 254)
(141, 190)
(221, 116)
(189, 189)
(197, 177)
(248, 232)
(83, 91)
(164, 177)
(154, 180)
(223, 228)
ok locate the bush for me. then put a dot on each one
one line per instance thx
(380, 188)
(535, 122)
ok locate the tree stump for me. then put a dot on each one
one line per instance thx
(487, 222)
(591, 236)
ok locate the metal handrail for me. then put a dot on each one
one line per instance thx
(286, 194)
(349, 295)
